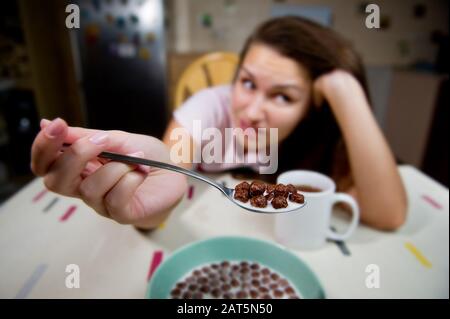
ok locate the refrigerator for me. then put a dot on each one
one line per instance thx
(120, 61)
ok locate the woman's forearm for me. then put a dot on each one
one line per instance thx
(379, 188)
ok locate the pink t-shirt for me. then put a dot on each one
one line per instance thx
(212, 106)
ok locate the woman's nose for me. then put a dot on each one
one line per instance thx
(255, 110)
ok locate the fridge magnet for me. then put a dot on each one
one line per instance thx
(134, 19)
(206, 20)
(120, 22)
(144, 53)
(92, 33)
(137, 39)
(122, 38)
(109, 19)
(126, 50)
(150, 37)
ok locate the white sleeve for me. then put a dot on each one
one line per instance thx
(204, 106)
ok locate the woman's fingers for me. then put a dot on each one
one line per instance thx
(121, 203)
(96, 186)
(91, 167)
(46, 146)
(44, 123)
(73, 133)
(160, 190)
(117, 141)
(64, 175)
(64, 172)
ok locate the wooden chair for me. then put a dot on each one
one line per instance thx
(209, 70)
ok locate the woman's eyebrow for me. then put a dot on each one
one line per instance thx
(287, 87)
(243, 68)
(277, 86)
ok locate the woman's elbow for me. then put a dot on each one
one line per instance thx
(386, 217)
(396, 217)
(396, 222)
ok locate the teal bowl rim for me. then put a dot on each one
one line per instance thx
(320, 293)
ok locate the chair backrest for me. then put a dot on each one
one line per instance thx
(209, 70)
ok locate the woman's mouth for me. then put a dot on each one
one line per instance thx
(244, 124)
(249, 129)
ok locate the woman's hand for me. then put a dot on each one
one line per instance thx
(336, 86)
(125, 193)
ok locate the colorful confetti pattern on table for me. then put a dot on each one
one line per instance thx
(31, 281)
(418, 254)
(190, 192)
(69, 212)
(156, 260)
(50, 205)
(431, 201)
(39, 195)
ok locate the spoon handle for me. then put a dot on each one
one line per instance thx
(143, 161)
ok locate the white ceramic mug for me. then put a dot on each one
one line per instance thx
(309, 227)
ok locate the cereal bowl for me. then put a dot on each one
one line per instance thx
(234, 267)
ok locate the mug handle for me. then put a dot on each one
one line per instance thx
(341, 197)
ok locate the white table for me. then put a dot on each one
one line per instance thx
(40, 234)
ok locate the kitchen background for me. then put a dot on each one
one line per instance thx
(120, 69)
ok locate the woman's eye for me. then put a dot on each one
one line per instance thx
(249, 85)
(283, 98)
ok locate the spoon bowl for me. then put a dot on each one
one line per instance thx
(268, 210)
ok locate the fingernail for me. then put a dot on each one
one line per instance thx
(44, 123)
(99, 138)
(54, 129)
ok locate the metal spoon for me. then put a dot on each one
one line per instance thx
(228, 192)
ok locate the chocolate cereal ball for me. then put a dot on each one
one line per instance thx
(257, 188)
(241, 279)
(270, 196)
(270, 188)
(241, 195)
(281, 190)
(291, 188)
(242, 186)
(297, 198)
(279, 202)
(259, 201)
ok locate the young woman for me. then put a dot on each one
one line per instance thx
(293, 75)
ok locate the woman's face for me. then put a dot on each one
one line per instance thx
(271, 91)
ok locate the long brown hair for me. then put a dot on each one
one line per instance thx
(316, 143)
